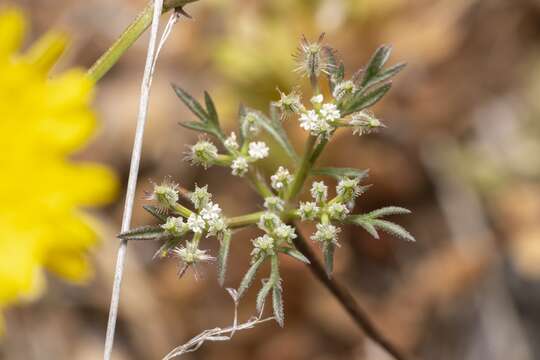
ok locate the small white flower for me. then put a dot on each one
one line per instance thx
(165, 193)
(191, 255)
(239, 166)
(317, 99)
(330, 113)
(274, 203)
(337, 211)
(281, 179)
(196, 223)
(309, 121)
(230, 143)
(285, 233)
(211, 212)
(308, 210)
(326, 233)
(343, 89)
(200, 197)
(263, 245)
(319, 191)
(258, 150)
(269, 222)
(175, 226)
(216, 226)
(203, 153)
(348, 189)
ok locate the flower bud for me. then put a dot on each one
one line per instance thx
(319, 191)
(308, 210)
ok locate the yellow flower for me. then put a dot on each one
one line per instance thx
(43, 120)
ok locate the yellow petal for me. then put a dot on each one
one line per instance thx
(12, 26)
(45, 52)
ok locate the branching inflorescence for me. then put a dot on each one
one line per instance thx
(188, 217)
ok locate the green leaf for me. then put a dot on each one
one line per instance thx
(393, 229)
(328, 255)
(191, 103)
(375, 65)
(339, 173)
(211, 109)
(156, 212)
(263, 293)
(364, 222)
(277, 302)
(250, 275)
(223, 255)
(388, 210)
(148, 232)
(275, 129)
(386, 74)
(362, 100)
(295, 254)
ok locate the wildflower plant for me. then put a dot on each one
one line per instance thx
(188, 218)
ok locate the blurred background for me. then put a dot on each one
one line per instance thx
(461, 151)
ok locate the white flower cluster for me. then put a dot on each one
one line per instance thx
(166, 193)
(256, 150)
(206, 218)
(203, 153)
(190, 254)
(333, 210)
(274, 204)
(262, 246)
(276, 233)
(326, 233)
(322, 119)
(281, 179)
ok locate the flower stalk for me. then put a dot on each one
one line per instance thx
(128, 38)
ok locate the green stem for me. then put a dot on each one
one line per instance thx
(253, 218)
(303, 171)
(244, 220)
(260, 185)
(128, 37)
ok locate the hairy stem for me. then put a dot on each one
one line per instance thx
(346, 300)
(128, 37)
